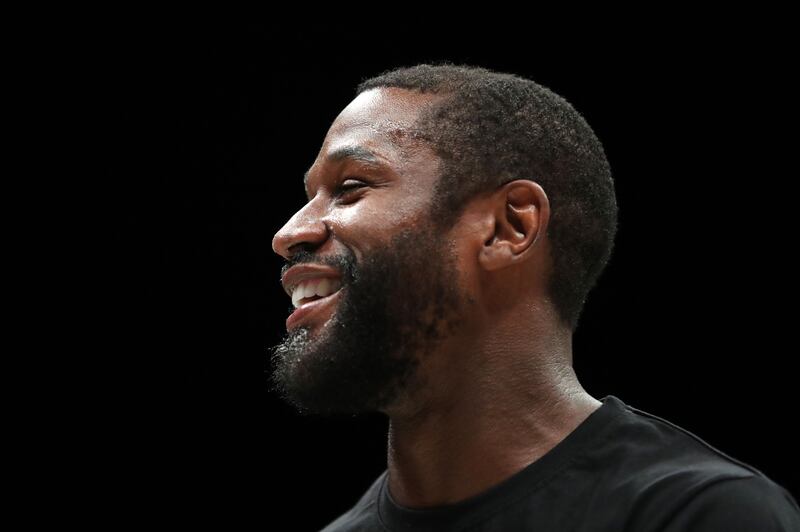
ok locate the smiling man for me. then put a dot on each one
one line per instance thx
(456, 221)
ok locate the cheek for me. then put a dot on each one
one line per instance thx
(349, 216)
(378, 217)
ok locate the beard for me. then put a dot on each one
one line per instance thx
(394, 309)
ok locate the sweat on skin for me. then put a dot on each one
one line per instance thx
(448, 331)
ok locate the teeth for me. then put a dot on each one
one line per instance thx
(320, 287)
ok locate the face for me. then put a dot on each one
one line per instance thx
(367, 224)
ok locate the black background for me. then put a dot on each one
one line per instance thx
(209, 127)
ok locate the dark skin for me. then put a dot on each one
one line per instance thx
(498, 391)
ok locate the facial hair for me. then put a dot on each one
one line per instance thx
(394, 309)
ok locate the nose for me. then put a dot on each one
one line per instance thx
(304, 229)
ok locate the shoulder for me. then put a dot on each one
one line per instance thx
(662, 448)
(753, 503)
(674, 480)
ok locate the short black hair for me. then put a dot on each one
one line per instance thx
(494, 127)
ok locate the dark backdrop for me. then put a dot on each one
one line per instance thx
(212, 127)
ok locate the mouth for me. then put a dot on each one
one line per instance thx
(313, 308)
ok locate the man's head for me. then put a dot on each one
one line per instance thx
(445, 200)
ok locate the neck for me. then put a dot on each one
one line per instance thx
(482, 429)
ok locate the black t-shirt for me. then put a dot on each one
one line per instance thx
(620, 470)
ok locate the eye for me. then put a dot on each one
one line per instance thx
(348, 185)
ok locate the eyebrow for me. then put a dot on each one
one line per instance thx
(354, 153)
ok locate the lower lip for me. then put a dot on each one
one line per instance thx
(314, 308)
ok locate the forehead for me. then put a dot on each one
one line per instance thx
(388, 108)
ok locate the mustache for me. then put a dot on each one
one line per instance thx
(343, 263)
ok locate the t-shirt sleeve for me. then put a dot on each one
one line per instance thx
(752, 504)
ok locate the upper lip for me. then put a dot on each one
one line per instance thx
(297, 274)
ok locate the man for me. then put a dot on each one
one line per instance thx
(456, 220)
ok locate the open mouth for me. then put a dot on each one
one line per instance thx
(314, 289)
(312, 299)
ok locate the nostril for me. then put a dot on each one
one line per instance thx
(302, 247)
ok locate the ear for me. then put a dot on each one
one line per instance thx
(520, 211)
